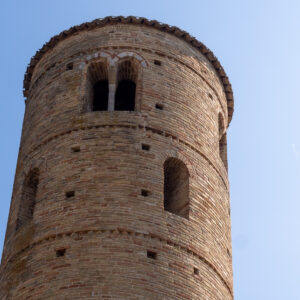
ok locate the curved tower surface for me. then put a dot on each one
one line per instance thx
(121, 188)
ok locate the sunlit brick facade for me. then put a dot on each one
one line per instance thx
(121, 188)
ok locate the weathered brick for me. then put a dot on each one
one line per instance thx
(99, 228)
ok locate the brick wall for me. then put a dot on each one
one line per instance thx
(92, 227)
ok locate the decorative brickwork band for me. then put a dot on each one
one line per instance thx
(76, 235)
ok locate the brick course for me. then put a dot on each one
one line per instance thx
(106, 226)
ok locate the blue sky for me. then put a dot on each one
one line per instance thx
(258, 43)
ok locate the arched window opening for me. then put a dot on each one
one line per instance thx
(28, 198)
(176, 187)
(125, 93)
(222, 141)
(100, 100)
(97, 86)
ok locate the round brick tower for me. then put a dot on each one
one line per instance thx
(121, 187)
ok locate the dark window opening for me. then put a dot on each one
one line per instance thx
(97, 87)
(159, 106)
(70, 194)
(196, 271)
(176, 187)
(157, 62)
(100, 100)
(145, 193)
(151, 254)
(28, 198)
(223, 149)
(222, 142)
(60, 252)
(125, 95)
(145, 147)
(126, 87)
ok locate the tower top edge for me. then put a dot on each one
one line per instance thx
(98, 23)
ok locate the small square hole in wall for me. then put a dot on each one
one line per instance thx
(60, 252)
(75, 149)
(145, 147)
(157, 62)
(196, 271)
(159, 106)
(69, 66)
(145, 193)
(210, 96)
(228, 253)
(70, 194)
(151, 254)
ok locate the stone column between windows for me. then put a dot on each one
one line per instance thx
(111, 96)
(112, 78)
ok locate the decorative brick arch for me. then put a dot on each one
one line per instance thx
(129, 54)
(111, 61)
(97, 58)
(172, 153)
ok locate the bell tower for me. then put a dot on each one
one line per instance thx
(121, 188)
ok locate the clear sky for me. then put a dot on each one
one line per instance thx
(258, 44)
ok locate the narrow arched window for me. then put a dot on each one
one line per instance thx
(97, 86)
(126, 88)
(222, 141)
(176, 187)
(28, 198)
